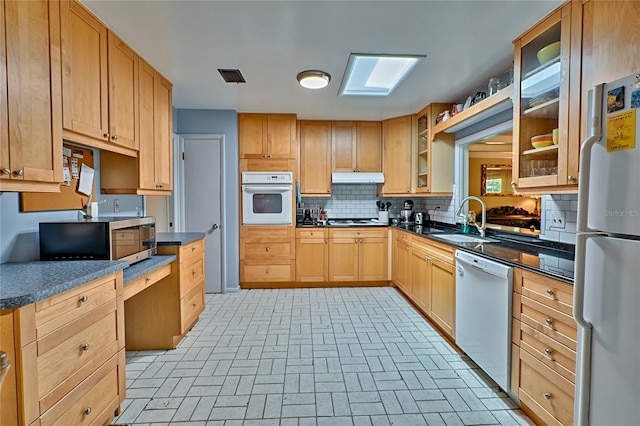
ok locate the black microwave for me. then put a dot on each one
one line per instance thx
(105, 238)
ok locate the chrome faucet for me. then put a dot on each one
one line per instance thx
(481, 228)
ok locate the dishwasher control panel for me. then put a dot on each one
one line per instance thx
(488, 266)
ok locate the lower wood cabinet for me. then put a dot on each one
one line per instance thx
(312, 255)
(543, 347)
(267, 254)
(358, 254)
(159, 316)
(424, 271)
(69, 358)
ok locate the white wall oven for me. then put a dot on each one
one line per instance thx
(267, 198)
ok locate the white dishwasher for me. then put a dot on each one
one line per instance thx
(483, 314)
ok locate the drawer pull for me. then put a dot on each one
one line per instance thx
(549, 322)
(87, 411)
(547, 351)
(312, 234)
(267, 249)
(547, 396)
(408, 248)
(193, 272)
(147, 279)
(326, 240)
(193, 249)
(195, 304)
(268, 270)
(85, 347)
(550, 292)
(83, 299)
(358, 233)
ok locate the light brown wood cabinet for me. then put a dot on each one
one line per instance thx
(356, 146)
(267, 254)
(546, 97)
(424, 271)
(358, 254)
(267, 135)
(69, 357)
(312, 255)
(433, 154)
(152, 172)
(543, 347)
(30, 99)
(396, 163)
(315, 157)
(99, 83)
(166, 304)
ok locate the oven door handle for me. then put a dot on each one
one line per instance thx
(270, 189)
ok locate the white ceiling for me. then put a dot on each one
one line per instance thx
(466, 43)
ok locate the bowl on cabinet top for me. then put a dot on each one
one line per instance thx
(548, 52)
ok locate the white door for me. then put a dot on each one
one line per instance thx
(202, 199)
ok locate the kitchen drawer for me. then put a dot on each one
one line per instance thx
(274, 250)
(267, 233)
(191, 276)
(276, 270)
(553, 293)
(549, 394)
(61, 309)
(358, 233)
(187, 254)
(68, 355)
(312, 233)
(401, 236)
(554, 355)
(439, 251)
(550, 322)
(136, 286)
(92, 402)
(190, 307)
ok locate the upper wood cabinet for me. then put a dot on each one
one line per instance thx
(267, 135)
(156, 150)
(397, 166)
(152, 172)
(356, 146)
(547, 97)
(315, 157)
(99, 83)
(30, 118)
(433, 154)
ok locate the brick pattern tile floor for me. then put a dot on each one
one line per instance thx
(329, 356)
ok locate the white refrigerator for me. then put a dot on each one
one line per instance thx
(607, 267)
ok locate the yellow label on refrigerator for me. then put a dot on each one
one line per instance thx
(621, 131)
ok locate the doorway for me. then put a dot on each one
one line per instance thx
(199, 200)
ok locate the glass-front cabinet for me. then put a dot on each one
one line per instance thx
(433, 154)
(546, 132)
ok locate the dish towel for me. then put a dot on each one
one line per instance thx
(298, 194)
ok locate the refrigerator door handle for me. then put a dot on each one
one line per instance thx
(594, 135)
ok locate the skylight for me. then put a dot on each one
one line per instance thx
(376, 75)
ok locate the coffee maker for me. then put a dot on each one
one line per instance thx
(406, 214)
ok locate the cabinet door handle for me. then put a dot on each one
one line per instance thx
(87, 411)
(114, 137)
(550, 292)
(549, 321)
(83, 299)
(195, 304)
(408, 248)
(193, 272)
(215, 226)
(358, 233)
(4, 366)
(408, 190)
(193, 249)
(513, 183)
(547, 395)
(106, 135)
(147, 279)
(19, 172)
(6, 172)
(547, 351)
(267, 249)
(326, 241)
(268, 270)
(571, 178)
(85, 347)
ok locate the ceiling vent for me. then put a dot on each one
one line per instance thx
(231, 76)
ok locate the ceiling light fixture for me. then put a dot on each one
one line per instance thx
(313, 79)
(376, 75)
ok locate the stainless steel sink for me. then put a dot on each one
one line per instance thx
(464, 238)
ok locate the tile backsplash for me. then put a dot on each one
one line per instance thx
(359, 201)
(559, 217)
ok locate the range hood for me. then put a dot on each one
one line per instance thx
(356, 177)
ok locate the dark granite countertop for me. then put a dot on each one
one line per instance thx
(548, 258)
(29, 282)
(142, 268)
(177, 238)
